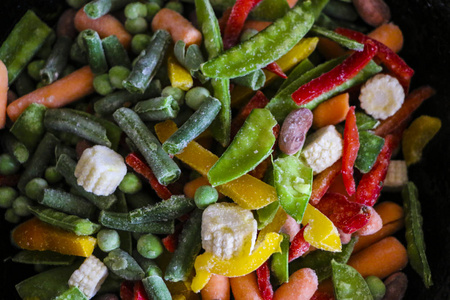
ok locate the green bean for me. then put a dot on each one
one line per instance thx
(130, 184)
(78, 123)
(67, 203)
(102, 84)
(254, 80)
(135, 10)
(117, 75)
(98, 8)
(120, 221)
(157, 109)
(164, 168)
(72, 293)
(172, 208)
(191, 59)
(20, 206)
(414, 234)
(376, 287)
(66, 166)
(189, 246)
(11, 216)
(123, 265)
(126, 242)
(140, 199)
(34, 69)
(29, 127)
(341, 10)
(57, 61)
(348, 283)
(148, 64)
(198, 122)
(336, 37)
(63, 149)
(77, 54)
(108, 240)
(8, 164)
(7, 196)
(156, 288)
(196, 96)
(43, 258)
(24, 84)
(149, 266)
(115, 53)
(35, 188)
(62, 220)
(279, 263)
(14, 147)
(95, 53)
(149, 246)
(205, 196)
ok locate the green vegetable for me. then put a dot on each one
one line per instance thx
(279, 263)
(149, 246)
(336, 37)
(175, 6)
(254, 80)
(35, 188)
(376, 287)
(108, 240)
(303, 67)
(196, 96)
(266, 214)
(119, 221)
(98, 8)
(135, 26)
(73, 293)
(52, 175)
(29, 127)
(341, 10)
(94, 50)
(365, 122)
(67, 203)
(115, 53)
(103, 85)
(130, 184)
(7, 196)
(156, 288)
(369, 147)
(121, 206)
(57, 61)
(21, 205)
(34, 69)
(139, 42)
(11, 216)
(24, 84)
(348, 283)
(123, 265)
(157, 109)
(43, 258)
(191, 58)
(117, 75)
(205, 196)
(135, 10)
(152, 9)
(8, 164)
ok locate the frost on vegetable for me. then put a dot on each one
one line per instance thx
(396, 176)
(89, 276)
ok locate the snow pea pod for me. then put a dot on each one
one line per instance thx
(266, 46)
(370, 147)
(279, 263)
(348, 283)
(252, 144)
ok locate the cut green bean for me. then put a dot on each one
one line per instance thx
(43, 258)
(78, 123)
(126, 241)
(95, 53)
(8, 164)
(120, 221)
(338, 38)
(148, 64)
(149, 266)
(98, 8)
(115, 53)
(156, 288)
(123, 265)
(29, 127)
(64, 149)
(191, 58)
(254, 80)
(67, 203)
(67, 222)
(170, 209)
(57, 61)
(376, 287)
(77, 54)
(164, 168)
(15, 147)
(140, 199)
(66, 166)
(157, 109)
(189, 246)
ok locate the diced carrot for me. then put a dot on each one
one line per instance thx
(380, 259)
(322, 182)
(245, 287)
(302, 285)
(257, 25)
(373, 226)
(61, 92)
(390, 35)
(178, 27)
(3, 93)
(105, 26)
(331, 112)
(330, 49)
(218, 287)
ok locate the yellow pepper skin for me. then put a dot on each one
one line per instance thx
(179, 77)
(37, 235)
(300, 51)
(276, 224)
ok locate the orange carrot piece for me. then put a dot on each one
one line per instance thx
(390, 35)
(105, 26)
(412, 102)
(190, 187)
(3, 93)
(331, 112)
(301, 286)
(178, 27)
(389, 211)
(62, 92)
(322, 182)
(330, 49)
(245, 287)
(257, 25)
(380, 259)
(217, 288)
(292, 3)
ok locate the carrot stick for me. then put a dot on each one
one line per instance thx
(3, 93)
(257, 25)
(178, 27)
(322, 181)
(380, 259)
(218, 288)
(301, 286)
(245, 287)
(390, 35)
(105, 26)
(412, 102)
(62, 92)
(389, 211)
(331, 112)
(330, 49)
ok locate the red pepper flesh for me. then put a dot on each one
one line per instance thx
(276, 69)
(259, 100)
(337, 76)
(126, 290)
(139, 291)
(318, 295)
(350, 151)
(264, 285)
(298, 245)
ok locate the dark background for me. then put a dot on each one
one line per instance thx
(426, 29)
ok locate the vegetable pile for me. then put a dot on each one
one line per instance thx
(152, 150)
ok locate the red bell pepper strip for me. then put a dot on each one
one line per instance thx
(224, 20)
(318, 295)
(126, 290)
(323, 180)
(264, 285)
(389, 58)
(139, 166)
(9, 180)
(139, 291)
(298, 246)
(259, 100)
(276, 69)
(170, 242)
(337, 76)
(371, 183)
(350, 151)
(346, 215)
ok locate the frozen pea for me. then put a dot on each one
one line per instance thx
(130, 184)
(135, 10)
(8, 164)
(11, 216)
(149, 246)
(196, 96)
(176, 93)
(135, 26)
(205, 195)
(175, 6)
(117, 75)
(108, 240)
(52, 175)
(20, 206)
(35, 188)
(102, 84)
(139, 42)
(7, 196)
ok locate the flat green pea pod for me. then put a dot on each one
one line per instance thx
(123, 265)
(348, 283)
(336, 37)
(369, 147)
(266, 46)
(254, 80)
(252, 144)
(43, 258)
(266, 214)
(293, 182)
(270, 10)
(414, 234)
(157, 109)
(73, 293)
(279, 264)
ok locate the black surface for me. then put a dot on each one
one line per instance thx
(426, 28)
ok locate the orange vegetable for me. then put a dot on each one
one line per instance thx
(37, 235)
(218, 288)
(373, 226)
(301, 286)
(3, 93)
(322, 181)
(330, 49)
(390, 35)
(331, 112)
(178, 27)
(245, 287)
(61, 92)
(105, 26)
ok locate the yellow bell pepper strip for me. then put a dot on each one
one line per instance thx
(37, 235)
(300, 51)
(179, 77)
(274, 226)
(207, 263)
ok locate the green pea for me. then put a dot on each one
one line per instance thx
(20, 206)
(117, 75)
(135, 26)
(135, 10)
(102, 84)
(34, 69)
(108, 240)
(11, 216)
(130, 184)
(248, 33)
(52, 175)
(176, 93)
(139, 42)
(205, 195)
(159, 2)
(376, 287)
(196, 96)
(152, 9)
(8, 164)
(175, 6)
(35, 188)
(7, 196)
(149, 246)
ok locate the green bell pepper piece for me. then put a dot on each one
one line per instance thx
(369, 147)
(365, 122)
(280, 262)
(348, 283)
